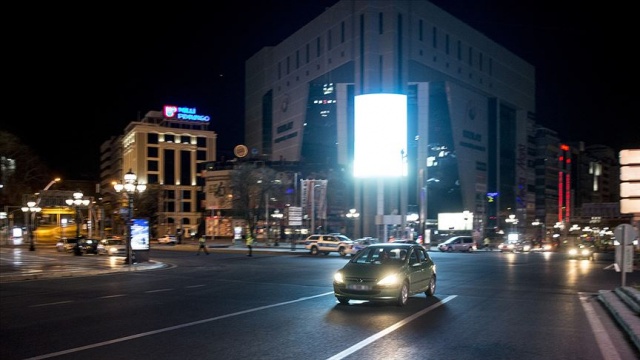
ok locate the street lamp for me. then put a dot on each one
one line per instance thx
(513, 221)
(130, 186)
(76, 202)
(352, 215)
(466, 215)
(31, 209)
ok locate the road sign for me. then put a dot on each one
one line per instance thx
(625, 234)
(294, 214)
(630, 181)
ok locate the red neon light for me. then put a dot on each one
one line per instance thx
(564, 147)
(568, 197)
(561, 158)
(560, 194)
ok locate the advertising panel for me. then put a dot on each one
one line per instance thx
(140, 234)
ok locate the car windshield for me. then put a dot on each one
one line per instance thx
(381, 255)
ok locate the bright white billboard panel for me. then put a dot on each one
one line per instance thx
(380, 135)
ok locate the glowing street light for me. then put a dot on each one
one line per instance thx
(77, 201)
(352, 215)
(31, 209)
(130, 187)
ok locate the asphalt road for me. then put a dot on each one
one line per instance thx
(230, 306)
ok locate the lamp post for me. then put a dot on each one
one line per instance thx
(352, 215)
(466, 214)
(78, 199)
(513, 221)
(30, 210)
(130, 186)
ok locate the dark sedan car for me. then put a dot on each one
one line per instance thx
(386, 272)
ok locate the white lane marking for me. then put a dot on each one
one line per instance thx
(607, 349)
(159, 290)
(171, 328)
(55, 303)
(194, 286)
(392, 328)
(112, 296)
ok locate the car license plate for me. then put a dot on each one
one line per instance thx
(358, 287)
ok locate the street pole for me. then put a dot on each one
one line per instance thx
(129, 223)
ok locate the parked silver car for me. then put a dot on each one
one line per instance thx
(458, 243)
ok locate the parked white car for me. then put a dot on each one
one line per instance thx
(168, 239)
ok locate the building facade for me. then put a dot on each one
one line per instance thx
(164, 150)
(470, 107)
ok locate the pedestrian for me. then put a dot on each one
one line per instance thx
(203, 246)
(487, 244)
(249, 243)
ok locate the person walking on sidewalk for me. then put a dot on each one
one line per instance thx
(249, 243)
(203, 245)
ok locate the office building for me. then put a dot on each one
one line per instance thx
(470, 109)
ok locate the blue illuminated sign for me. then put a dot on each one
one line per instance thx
(183, 113)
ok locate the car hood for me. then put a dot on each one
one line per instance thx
(370, 270)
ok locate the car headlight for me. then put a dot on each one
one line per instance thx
(573, 252)
(338, 278)
(389, 280)
(585, 252)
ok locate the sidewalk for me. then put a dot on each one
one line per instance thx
(17, 263)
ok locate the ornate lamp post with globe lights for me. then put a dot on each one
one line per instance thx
(30, 210)
(130, 187)
(352, 215)
(77, 201)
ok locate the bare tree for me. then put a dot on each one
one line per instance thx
(21, 170)
(251, 182)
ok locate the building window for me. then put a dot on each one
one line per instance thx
(185, 167)
(152, 138)
(342, 32)
(380, 23)
(435, 37)
(459, 50)
(202, 142)
(307, 50)
(152, 152)
(318, 48)
(186, 194)
(169, 167)
(152, 165)
(185, 139)
(420, 31)
(169, 138)
(152, 178)
(201, 155)
(446, 44)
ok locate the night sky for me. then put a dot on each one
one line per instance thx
(78, 76)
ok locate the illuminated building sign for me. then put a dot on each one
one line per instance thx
(183, 113)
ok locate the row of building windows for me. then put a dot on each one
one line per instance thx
(154, 138)
(471, 56)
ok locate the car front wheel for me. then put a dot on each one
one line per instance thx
(431, 289)
(403, 296)
(314, 250)
(342, 252)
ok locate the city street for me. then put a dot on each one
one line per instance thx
(230, 306)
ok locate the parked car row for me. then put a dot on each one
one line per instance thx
(82, 245)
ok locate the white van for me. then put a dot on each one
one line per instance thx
(458, 243)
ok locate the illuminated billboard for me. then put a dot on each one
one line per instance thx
(380, 135)
(140, 234)
(183, 113)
